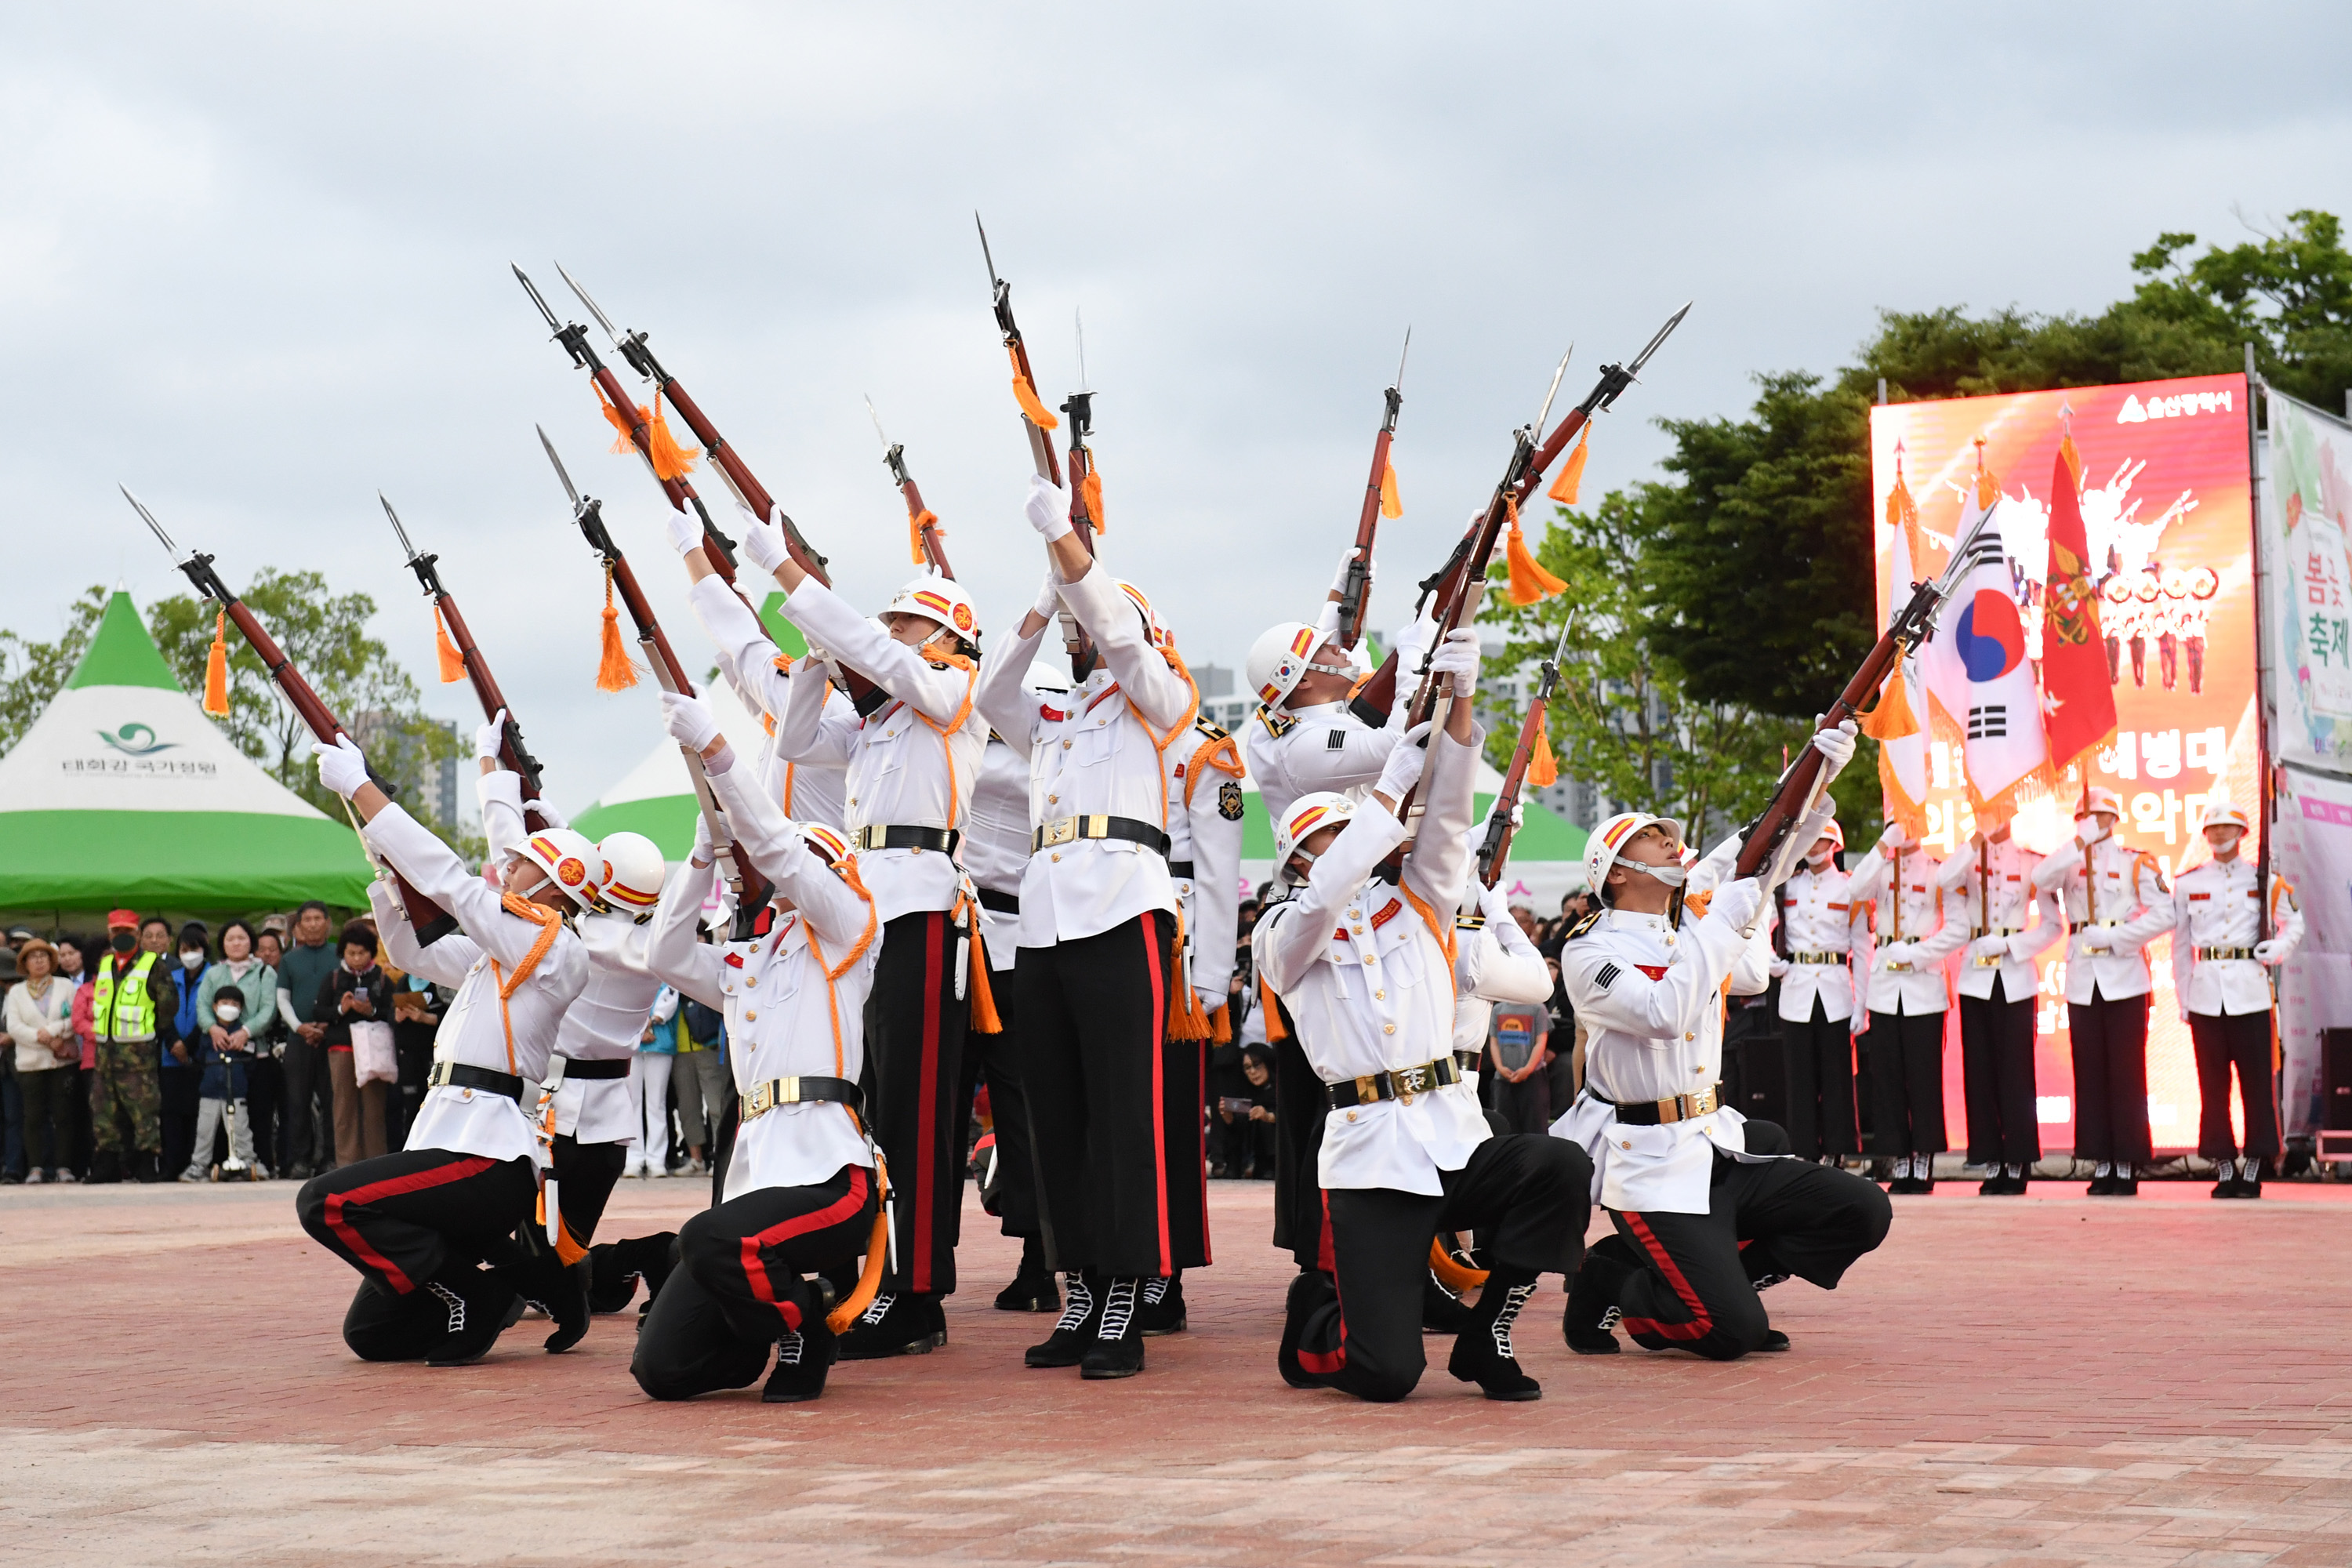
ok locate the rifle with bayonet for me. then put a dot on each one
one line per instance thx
(511, 749)
(1497, 847)
(1794, 795)
(431, 921)
(753, 891)
(1456, 586)
(1355, 587)
(1036, 420)
(922, 523)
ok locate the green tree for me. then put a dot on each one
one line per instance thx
(32, 672)
(325, 635)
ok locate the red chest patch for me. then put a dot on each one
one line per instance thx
(1655, 971)
(1387, 914)
(2198, 898)
(734, 960)
(1054, 715)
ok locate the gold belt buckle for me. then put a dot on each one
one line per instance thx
(1065, 831)
(1407, 1080)
(1367, 1089)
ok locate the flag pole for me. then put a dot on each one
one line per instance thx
(2262, 665)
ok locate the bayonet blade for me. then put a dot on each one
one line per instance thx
(398, 529)
(536, 298)
(873, 413)
(1080, 316)
(141, 507)
(602, 320)
(1671, 322)
(1545, 412)
(993, 282)
(569, 489)
(1398, 384)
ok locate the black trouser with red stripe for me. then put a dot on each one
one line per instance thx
(915, 1027)
(2108, 1039)
(1528, 1196)
(1819, 1051)
(740, 1285)
(404, 1219)
(1694, 1289)
(1298, 1111)
(1093, 1020)
(996, 1058)
(1184, 1148)
(2242, 1040)
(1997, 1075)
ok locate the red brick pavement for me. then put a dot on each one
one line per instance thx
(2048, 1381)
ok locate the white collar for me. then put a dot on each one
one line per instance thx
(1627, 920)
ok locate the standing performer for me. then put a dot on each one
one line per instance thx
(583, 1106)
(1094, 982)
(417, 1225)
(2116, 901)
(1907, 1003)
(801, 1190)
(1406, 1151)
(1706, 1207)
(911, 765)
(1817, 913)
(2226, 999)
(1997, 985)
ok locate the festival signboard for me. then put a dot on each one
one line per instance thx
(2164, 501)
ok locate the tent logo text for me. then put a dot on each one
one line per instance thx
(136, 741)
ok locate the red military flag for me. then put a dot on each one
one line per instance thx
(2078, 699)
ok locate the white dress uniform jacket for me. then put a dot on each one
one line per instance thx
(1205, 832)
(609, 1017)
(2213, 908)
(2030, 921)
(1090, 754)
(1817, 912)
(995, 847)
(807, 791)
(1493, 961)
(516, 1036)
(2114, 902)
(1910, 912)
(772, 989)
(1651, 999)
(1371, 985)
(1299, 750)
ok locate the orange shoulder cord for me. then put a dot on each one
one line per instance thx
(1221, 754)
(549, 922)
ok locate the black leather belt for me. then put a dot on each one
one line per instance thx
(1180, 870)
(2081, 926)
(1070, 829)
(1002, 903)
(778, 1092)
(1399, 1085)
(1658, 1112)
(606, 1067)
(2221, 954)
(458, 1075)
(877, 837)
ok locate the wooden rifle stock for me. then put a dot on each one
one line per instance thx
(1794, 794)
(1356, 591)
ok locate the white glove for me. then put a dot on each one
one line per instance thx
(2269, 951)
(548, 814)
(1898, 952)
(1048, 508)
(689, 723)
(1210, 1000)
(1893, 841)
(685, 529)
(341, 768)
(764, 542)
(1458, 656)
(1739, 903)
(1406, 759)
(1348, 559)
(1049, 598)
(1836, 747)
(1778, 967)
(1989, 947)
(490, 737)
(2087, 830)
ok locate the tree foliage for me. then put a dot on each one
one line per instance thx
(32, 672)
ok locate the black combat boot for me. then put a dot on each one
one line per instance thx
(477, 1301)
(1482, 1352)
(1033, 1289)
(1161, 1308)
(1067, 1345)
(1117, 1349)
(904, 1323)
(1593, 1311)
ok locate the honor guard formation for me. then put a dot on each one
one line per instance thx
(962, 857)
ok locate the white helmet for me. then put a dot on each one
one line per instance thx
(634, 869)
(2220, 813)
(1161, 635)
(1278, 660)
(829, 844)
(1600, 849)
(941, 599)
(572, 863)
(1309, 815)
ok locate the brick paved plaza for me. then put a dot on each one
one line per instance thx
(2047, 1381)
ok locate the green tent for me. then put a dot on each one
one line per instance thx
(124, 794)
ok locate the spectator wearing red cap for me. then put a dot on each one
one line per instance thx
(132, 998)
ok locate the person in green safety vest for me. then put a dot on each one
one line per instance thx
(132, 993)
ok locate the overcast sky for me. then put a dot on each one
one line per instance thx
(253, 262)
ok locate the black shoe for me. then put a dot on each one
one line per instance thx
(105, 1168)
(1067, 1345)
(802, 1360)
(1774, 1343)
(478, 1303)
(2229, 1187)
(1593, 1311)
(1310, 1289)
(2126, 1187)
(299, 1172)
(146, 1166)
(898, 1323)
(1117, 1349)
(612, 1284)
(1441, 1311)
(1161, 1308)
(568, 1305)
(2101, 1186)
(1483, 1353)
(1032, 1290)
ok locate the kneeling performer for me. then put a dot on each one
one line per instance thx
(800, 1192)
(1363, 959)
(418, 1225)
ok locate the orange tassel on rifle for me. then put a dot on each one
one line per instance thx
(915, 526)
(453, 664)
(1891, 718)
(1543, 768)
(985, 1019)
(1221, 1024)
(1392, 504)
(613, 670)
(1026, 395)
(671, 461)
(1531, 584)
(216, 668)
(1274, 1029)
(1090, 488)
(1571, 473)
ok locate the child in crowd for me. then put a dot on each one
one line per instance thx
(223, 1048)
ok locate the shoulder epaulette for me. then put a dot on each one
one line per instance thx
(1276, 724)
(1584, 925)
(1210, 730)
